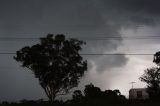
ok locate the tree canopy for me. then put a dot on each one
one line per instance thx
(152, 78)
(92, 92)
(56, 62)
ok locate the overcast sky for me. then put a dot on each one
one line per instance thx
(85, 20)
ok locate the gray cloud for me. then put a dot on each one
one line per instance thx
(144, 6)
(114, 61)
(76, 18)
(130, 12)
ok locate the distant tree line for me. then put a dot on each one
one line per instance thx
(93, 94)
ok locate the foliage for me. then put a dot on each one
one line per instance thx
(94, 95)
(151, 76)
(91, 91)
(56, 62)
(156, 59)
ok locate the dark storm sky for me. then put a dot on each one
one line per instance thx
(80, 19)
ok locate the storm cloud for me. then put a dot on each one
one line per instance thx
(88, 20)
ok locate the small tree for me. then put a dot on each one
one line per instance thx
(91, 91)
(56, 62)
(152, 78)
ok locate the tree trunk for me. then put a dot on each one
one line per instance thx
(50, 93)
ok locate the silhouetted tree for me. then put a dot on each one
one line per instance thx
(117, 92)
(91, 91)
(152, 78)
(113, 95)
(95, 95)
(56, 62)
